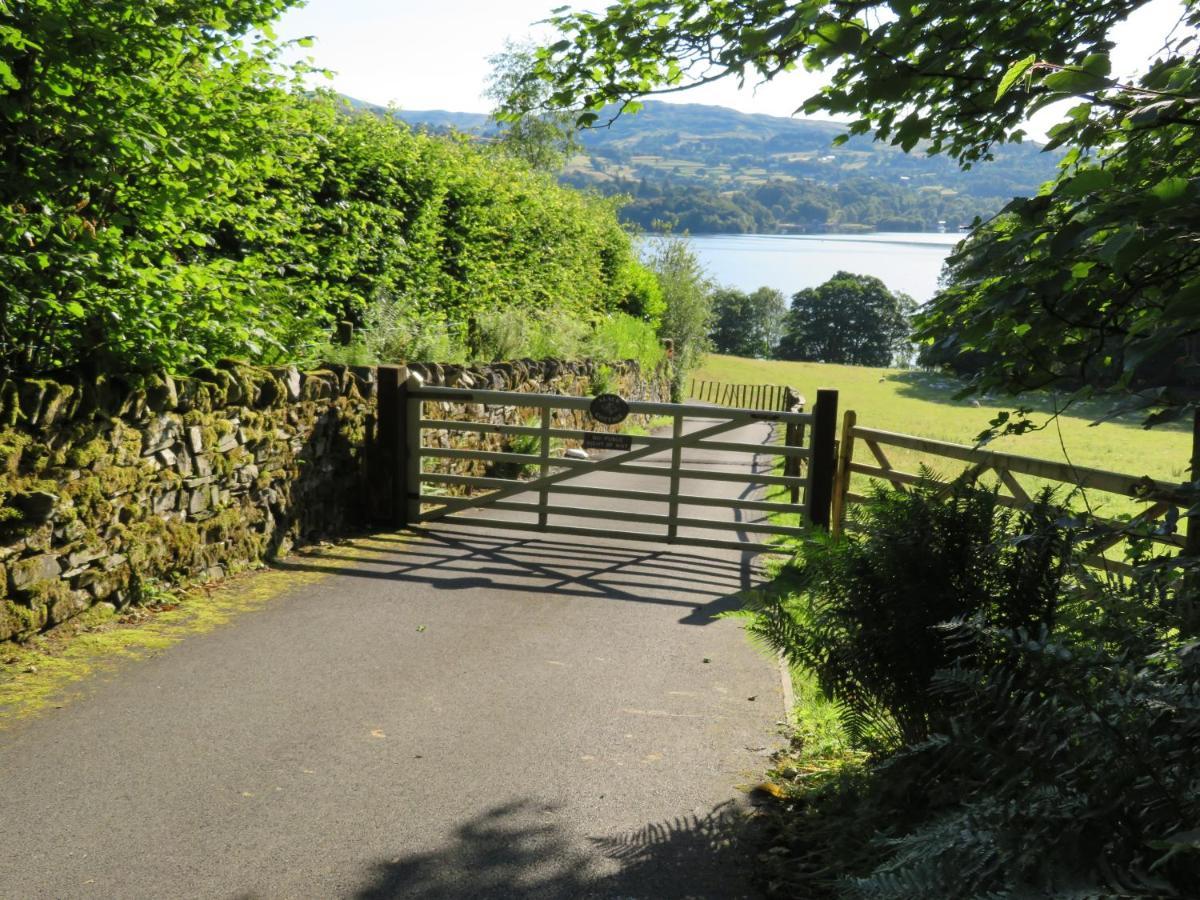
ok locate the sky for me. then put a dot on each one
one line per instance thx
(433, 55)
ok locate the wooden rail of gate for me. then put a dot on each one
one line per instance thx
(741, 396)
(1159, 496)
(546, 491)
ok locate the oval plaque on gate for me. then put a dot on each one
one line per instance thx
(609, 409)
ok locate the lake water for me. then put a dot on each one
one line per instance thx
(904, 262)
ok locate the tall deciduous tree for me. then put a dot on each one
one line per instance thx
(747, 324)
(1095, 275)
(687, 301)
(850, 319)
(545, 140)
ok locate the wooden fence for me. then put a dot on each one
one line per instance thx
(771, 397)
(1159, 497)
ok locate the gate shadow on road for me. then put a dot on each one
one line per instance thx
(518, 851)
(458, 559)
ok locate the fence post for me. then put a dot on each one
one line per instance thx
(822, 465)
(841, 484)
(794, 437)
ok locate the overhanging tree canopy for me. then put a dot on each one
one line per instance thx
(1092, 281)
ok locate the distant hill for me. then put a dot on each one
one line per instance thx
(468, 123)
(711, 169)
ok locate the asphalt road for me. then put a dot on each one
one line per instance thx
(467, 712)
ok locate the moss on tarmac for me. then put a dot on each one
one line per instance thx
(54, 668)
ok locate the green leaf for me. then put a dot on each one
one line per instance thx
(1170, 190)
(1097, 64)
(1086, 181)
(1074, 81)
(1015, 71)
(7, 78)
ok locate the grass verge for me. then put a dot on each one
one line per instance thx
(817, 771)
(53, 669)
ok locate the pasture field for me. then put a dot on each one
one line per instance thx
(919, 403)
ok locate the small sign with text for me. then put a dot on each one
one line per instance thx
(600, 440)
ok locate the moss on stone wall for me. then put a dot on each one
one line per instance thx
(108, 487)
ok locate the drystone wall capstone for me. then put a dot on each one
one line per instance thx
(108, 488)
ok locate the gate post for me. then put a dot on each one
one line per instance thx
(822, 464)
(410, 461)
(389, 496)
(845, 459)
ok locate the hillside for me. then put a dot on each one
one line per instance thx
(711, 169)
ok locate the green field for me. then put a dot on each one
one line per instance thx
(915, 402)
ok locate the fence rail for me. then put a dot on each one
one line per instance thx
(744, 396)
(1160, 497)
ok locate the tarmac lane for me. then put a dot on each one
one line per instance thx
(460, 711)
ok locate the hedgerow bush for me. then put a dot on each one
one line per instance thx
(170, 194)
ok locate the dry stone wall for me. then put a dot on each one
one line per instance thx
(108, 487)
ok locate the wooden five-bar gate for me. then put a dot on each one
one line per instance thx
(659, 496)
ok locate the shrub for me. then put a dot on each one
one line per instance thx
(259, 212)
(620, 336)
(1067, 770)
(394, 330)
(517, 334)
(867, 614)
(1046, 732)
(601, 381)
